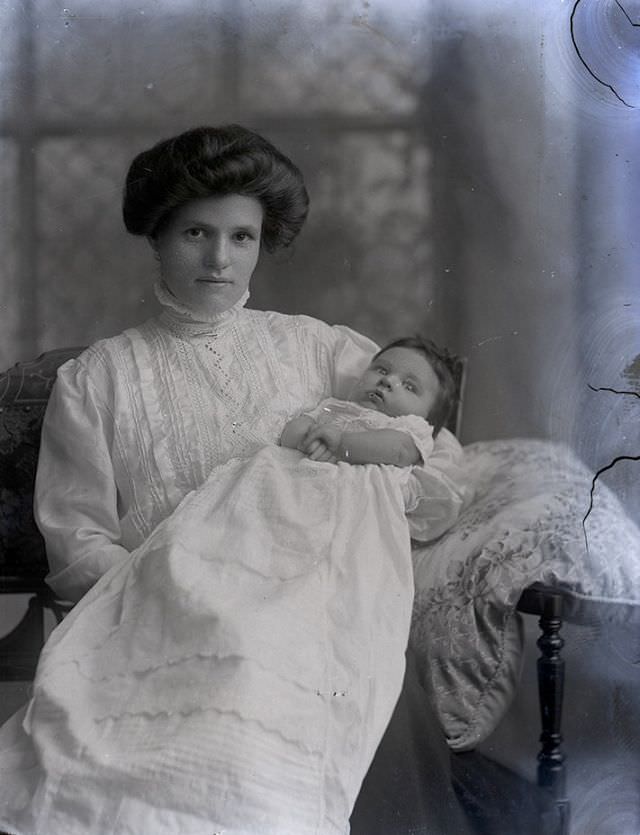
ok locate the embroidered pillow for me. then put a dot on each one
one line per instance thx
(524, 525)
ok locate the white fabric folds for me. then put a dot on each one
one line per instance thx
(239, 642)
(237, 673)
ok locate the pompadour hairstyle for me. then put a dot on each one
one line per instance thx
(212, 162)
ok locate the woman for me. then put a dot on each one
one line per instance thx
(141, 420)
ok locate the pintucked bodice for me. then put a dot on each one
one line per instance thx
(141, 419)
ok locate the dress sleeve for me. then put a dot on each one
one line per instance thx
(350, 353)
(75, 492)
(437, 489)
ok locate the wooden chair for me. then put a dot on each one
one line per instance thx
(547, 603)
(24, 392)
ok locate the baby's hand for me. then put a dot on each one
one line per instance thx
(322, 443)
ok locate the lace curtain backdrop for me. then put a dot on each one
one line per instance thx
(455, 189)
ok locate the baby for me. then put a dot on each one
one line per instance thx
(408, 377)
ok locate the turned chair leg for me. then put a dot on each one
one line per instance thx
(551, 768)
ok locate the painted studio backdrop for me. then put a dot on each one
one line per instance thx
(472, 169)
(472, 164)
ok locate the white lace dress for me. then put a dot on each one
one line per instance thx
(234, 667)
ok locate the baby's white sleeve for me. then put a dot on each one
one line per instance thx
(437, 489)
(418, 428)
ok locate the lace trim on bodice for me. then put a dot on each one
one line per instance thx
(220, 385)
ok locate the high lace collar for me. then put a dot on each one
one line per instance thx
(184, 321)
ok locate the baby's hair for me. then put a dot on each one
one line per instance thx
(440, 360)
(214, 162)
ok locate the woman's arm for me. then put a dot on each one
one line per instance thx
(75, 494)
(374, 446)
(347, 354)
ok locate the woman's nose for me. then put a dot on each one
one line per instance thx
(217, 254)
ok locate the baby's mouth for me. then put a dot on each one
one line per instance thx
(376, 397)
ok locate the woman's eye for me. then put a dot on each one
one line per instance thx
(194, 233)
(242, 237)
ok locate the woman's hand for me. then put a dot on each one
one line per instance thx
(322, 443)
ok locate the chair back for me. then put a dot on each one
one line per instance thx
(458, 368)
(24, 392)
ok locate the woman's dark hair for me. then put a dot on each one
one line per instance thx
(211, 162)
(441, 361)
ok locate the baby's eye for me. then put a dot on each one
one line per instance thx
(380, 369)
(410, 387)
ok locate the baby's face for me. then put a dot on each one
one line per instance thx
(400, 381)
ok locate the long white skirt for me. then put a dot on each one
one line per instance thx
(235, 675)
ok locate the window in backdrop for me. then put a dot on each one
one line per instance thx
(336, 85)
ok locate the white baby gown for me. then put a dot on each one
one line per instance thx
(237, 673)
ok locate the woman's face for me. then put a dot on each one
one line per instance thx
(208, 250)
